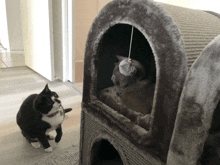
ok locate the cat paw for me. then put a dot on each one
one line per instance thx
(49, 149)
(57, 139)
(50, 137)
(35, 144)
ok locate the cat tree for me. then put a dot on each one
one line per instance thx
(173, 37)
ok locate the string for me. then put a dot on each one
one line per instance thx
(130, 44)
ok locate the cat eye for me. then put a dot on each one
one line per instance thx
(58, 101)
(55, 95)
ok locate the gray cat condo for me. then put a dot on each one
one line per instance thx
(180, 52)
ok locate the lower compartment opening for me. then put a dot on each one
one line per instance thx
(103, 153)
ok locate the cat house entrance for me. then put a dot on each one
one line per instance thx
(103, 153)
(115, 43)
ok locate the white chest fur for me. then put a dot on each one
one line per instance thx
(55, 120)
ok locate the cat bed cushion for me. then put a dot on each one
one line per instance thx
(137, 105)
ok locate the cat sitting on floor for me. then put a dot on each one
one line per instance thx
(131, 85)
(38, 115)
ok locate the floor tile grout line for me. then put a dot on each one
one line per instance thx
(9, 63)
(70, 85)
(4, 64)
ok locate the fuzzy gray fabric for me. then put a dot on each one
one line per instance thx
(164, 36)
(197, 103)
(164, 39)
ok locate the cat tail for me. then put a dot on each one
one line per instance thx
(67, 110)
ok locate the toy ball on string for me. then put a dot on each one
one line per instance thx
(125, 66)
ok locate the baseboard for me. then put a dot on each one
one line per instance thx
(17, 52)
(12, 52)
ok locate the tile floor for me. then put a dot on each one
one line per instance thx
(11, 59)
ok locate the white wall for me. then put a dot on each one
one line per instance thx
(102, 3)
(182, 3)
(212, 5)
(14, 25)
(38, 36)
(4, 26)
(62, 32)
(57, 37)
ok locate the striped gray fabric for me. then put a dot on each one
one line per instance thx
(198, 28)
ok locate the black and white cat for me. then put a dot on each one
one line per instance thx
(38, 115)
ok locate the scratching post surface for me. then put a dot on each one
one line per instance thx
(198, 28)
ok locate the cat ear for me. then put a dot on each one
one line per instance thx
(120, 58)
(46, 89)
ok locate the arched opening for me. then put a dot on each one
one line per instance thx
(116, 41)
(103, 153)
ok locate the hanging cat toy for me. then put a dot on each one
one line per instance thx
(125, 67)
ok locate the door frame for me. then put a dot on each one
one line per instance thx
(4, 27)
(68, 41)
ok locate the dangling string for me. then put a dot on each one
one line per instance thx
(129, 59)
(125, 66)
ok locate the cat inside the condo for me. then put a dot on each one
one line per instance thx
(132, 85)
(38, 115)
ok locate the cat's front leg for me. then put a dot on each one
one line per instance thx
(59, 134)
(44, 141)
